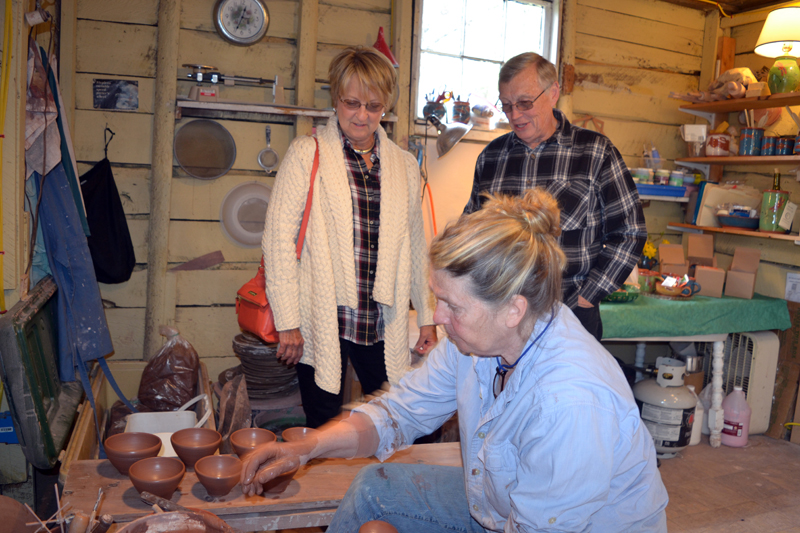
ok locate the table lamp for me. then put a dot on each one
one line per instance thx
(781, 33)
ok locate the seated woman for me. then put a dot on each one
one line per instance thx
(551, 438)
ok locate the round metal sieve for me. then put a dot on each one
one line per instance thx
(204, 149)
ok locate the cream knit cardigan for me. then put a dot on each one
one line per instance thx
(306, 294)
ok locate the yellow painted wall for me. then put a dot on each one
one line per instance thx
(117, 39)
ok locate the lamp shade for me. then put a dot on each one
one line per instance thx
(780, 34)
(449, 134)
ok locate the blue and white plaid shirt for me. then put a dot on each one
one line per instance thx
(602, 224)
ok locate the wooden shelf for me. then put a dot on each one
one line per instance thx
(744, 160)
(738, 104)
(244, 110)
(676, 199)
(690, 228)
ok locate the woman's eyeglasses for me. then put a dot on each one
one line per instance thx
(354, 105)
(522, 105)
(499, 381)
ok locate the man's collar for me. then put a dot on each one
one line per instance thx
(562, 135)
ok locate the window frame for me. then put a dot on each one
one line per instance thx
(551, 37)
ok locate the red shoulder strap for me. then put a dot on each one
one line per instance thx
(303, 225)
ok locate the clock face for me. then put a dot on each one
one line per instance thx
(241, 22)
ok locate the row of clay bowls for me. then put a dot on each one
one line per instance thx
(136, 455)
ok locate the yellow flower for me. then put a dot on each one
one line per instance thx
(649, 250)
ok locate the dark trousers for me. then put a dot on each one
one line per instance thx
(590, 318)
(319, 405)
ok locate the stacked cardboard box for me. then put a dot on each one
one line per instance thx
(741, 282)
(671, 260)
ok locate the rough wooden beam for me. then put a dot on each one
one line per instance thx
(401, 43)
(567, 55)
(159, 310)
(67, 58)
(306, 61)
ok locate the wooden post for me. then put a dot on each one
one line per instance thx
(401, 43)
(307, 62)
(157, 312)
(712, 34)
(67, 59)
(568, 25)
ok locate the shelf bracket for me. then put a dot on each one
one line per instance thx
(705, 168)
(707, 115)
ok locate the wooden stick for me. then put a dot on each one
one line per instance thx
(58, 509)
(157, 509)
(42, 525)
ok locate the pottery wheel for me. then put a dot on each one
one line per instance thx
(265, 375)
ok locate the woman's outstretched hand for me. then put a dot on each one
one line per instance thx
(270, 460)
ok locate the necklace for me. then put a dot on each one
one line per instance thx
(502, 369)
(362, 152)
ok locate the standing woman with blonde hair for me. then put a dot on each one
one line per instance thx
(551, 438)
(364, 254)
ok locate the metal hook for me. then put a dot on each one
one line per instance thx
(107, 141)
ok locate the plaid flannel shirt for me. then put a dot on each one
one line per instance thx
(363, 325)
(602, 224)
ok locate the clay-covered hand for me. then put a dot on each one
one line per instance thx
(269, 461)
(290, 349)
(427, 340)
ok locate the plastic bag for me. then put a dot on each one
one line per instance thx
(170, 378)
(234, 410)
(705, 397)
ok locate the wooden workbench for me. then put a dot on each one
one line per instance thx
(310, 499)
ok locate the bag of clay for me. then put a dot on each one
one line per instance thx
(170, 378)
(234, 411)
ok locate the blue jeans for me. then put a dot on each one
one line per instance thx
(413, 498)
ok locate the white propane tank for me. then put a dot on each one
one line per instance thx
(667, 407)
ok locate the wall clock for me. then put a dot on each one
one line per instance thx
(241, 22)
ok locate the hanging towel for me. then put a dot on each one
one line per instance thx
(110, 241)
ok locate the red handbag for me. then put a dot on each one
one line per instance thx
(252, 307)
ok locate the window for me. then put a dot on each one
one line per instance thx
(464, 43)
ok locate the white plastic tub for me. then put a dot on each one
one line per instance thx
(164, 424)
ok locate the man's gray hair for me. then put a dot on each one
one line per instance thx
(545, 70)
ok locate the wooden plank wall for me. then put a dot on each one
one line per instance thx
(629, 55)
(117, 39)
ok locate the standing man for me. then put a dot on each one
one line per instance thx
(602, 224)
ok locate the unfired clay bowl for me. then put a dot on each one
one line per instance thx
(246, 440)
(192, 444)
(124, 449)
(157, 475)
(297, 433)
(218, 473)
(377, 526)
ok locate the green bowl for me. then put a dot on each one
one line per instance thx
(625, 294)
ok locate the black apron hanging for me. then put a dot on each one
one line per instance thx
(110, 241)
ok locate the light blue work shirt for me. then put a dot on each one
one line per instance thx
(562, 448)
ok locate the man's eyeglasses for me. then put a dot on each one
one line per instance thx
(522, 105)
(354, 105)
(499, 382)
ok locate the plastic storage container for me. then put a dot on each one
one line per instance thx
(736, 427)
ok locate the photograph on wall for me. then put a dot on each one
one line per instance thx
(119, 95)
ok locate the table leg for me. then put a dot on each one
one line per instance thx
(639, 361)
(715, 414)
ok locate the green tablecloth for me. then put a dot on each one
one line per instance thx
(701, 315)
